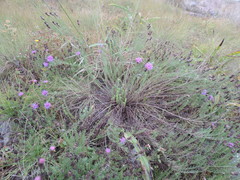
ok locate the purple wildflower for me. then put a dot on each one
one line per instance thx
(45, 81)
(34, 52)
(108, 150)
(45, 64)
(37, 178)
(138, 60)
(231, 145)
(210, 98)
(41, 161)
(47, 105)
(34, 81)
(122, 140)
(44, 92)
(149, 66)
(35, 105)
(78, 53)
(50, 59)
(20, 94)
(204, 92)
(52, 148)
(213, 125)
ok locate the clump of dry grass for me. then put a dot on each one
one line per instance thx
(123, 93)
(163, 105)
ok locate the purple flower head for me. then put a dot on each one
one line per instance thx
(204, 92)
(20, 94)
(34, 52)
(37, 178)
(107, 150)
(35, 105)
(138, 60)
(50, 59)
(45, 64)
(52, 148)
(149, 66)
(34, 81)
(78, 53)
(211, 98)
(122, 140)
(45, 81)
(44, 92)
(41, 161)
(231, 145)
(47, 105)
(213, 125)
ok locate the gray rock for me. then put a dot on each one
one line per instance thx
(216, 8)
(5, 131)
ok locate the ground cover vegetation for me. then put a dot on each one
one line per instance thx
(117, 90)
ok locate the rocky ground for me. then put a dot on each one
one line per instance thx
(216, 8)
(5, 131)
